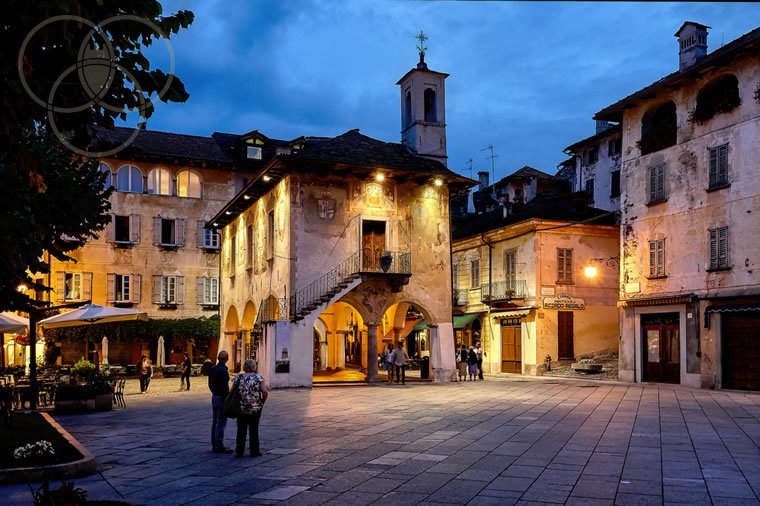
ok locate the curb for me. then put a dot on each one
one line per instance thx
(82, 467)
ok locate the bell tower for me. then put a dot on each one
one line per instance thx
(423, 109)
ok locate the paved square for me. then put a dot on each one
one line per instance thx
(502, 441)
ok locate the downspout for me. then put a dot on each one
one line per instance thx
(490, 273)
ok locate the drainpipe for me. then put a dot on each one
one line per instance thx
(490, 273)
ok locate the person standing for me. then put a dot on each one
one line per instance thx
(253, 395)
(389, 365)
(462, 363)
(472, 363)
(400, 359)
(219, 384)
(144, 370)
(187, 367)
(479, 352)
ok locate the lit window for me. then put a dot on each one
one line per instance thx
(188, 184)
(253, 153)
(210, 239)
(73, 286)
(122, 287)
(159, 182)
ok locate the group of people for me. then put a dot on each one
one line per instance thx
(470, 362)
(253, 394)
(396, 361)
(144, 371)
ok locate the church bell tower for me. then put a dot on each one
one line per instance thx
(423, 109)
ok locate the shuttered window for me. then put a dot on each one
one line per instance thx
(73, 286)
(249, 247)
(719, 248)
(168, 290)
(657, 258)
(718, 166)
(475, 273)
(615, 183)
(564, 265)
(657, 183)
(169, 233)
(206, 238)
(455, 275)
(123, 288)
(510, 269)
(207, 291)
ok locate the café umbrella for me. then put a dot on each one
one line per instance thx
(161, 352)
(12, 323)
(104, 350)
(90, 314)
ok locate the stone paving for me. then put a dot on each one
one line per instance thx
(501, 441)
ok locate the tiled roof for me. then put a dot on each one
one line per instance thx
(546, 207)
(748, 43)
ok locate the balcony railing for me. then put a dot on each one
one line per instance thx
(324, 287)
(460, 297)
(504, 290)
(390, 262)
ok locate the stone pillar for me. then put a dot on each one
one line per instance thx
(372, 352)
(442, 361)
(396, 336)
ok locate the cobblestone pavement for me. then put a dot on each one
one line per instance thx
(501, 441)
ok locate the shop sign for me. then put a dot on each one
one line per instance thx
(564, 302)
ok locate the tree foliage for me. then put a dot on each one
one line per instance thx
(52, 199)
(199, 328)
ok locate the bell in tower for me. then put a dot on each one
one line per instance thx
(423, 109)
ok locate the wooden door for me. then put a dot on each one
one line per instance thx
(511, 346)
(373, 244)
(740, 350)
(662, 352)
(565, 335)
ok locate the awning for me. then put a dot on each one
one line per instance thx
(658, 301)
(729, 308)
(420, 326)
(461, 321)
(512, 314)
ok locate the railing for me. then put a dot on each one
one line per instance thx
(327, 285)
(504, 290)
(391, 262)
(460, 297)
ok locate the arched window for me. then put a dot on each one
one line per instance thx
(129, 179)
(108, 181)
(408, 109)
(719, 96)
(658, 128)
(188, 184)
(160, 182)
(430, 112)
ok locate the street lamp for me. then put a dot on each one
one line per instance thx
(590, 271)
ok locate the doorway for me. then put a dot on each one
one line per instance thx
(565, 347)
(741, 351)
(511, 346)
(662, 348)
(373, 244)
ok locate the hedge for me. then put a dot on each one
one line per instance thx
(203, 328)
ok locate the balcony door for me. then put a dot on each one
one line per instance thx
(510, 270)
(373, 244)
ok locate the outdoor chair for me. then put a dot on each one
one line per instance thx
(118, 393)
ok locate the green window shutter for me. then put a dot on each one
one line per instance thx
(713, 249)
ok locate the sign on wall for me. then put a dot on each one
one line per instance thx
(564, 302)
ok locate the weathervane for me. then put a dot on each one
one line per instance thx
(421, 46)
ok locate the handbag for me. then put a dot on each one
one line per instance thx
(232, 402)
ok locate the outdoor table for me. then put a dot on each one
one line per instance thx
(21, 392)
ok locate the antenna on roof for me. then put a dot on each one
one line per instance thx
(492, 157)
(469, 166)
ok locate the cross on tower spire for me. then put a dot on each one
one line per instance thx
(421, 46)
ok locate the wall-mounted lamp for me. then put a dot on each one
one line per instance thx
(266, 179)
(438, 181)
(591, 271)
(379, 178)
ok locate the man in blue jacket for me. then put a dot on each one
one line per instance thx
(219, 384)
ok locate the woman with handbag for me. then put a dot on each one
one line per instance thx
(253, 393)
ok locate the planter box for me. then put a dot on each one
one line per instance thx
(100, 402)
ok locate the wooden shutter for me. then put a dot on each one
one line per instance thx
(180, 230)
(661, 182)
(560, 264)
(200, 240)
(713, 179)
(157, 289)
(723, 247)
(713, 249)
(661, 257)
(110, 287)
(156, 231)
(135, 288)
(110, 230)
(180, 290)
(722, 162)
(569, 265)
(86, 286)
(134, 228)
(200, 283)
(652, 184)
(60, 286)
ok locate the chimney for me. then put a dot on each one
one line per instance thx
(602, 125)
(692, 44)
(483, 178)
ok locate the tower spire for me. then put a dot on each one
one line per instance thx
(421, 48)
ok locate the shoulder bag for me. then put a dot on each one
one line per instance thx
(232, 402)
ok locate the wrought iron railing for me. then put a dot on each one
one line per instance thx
(504, 290)
(324, 287)
(391, 262)
(460, 297)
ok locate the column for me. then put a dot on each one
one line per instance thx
(372, 352)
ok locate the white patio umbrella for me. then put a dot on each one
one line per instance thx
(12, 323)
(160, 352)
(90, 314)
(104, 350)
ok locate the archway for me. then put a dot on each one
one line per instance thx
(340, 345)
(406, 322)
(249, 347)
(229, 337)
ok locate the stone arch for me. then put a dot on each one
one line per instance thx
(659, 128)
(231, 321)
(718, 96)
(270, 309)
(411, 301)
(249, 316)
(431, 114)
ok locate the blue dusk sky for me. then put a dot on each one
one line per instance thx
(525, 77)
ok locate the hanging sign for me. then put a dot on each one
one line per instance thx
(564, 302)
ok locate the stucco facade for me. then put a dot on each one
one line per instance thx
(689, 224)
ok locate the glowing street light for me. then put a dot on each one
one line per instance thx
(590, 271)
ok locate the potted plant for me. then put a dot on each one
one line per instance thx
(90, 390)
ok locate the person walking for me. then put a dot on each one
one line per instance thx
(472, 363)
(462, 363)
(144, 369)
(400, 359)
(479, 352)
(253, 395)
(389, 365)
(219, 384)
(187, 367)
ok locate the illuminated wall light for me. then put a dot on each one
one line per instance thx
(438, 182)
(227, 212)
(216, 224)
(590, 271)
(267, 179)
(247, 197)
(379, 178)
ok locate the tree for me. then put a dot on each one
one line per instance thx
(63, 78)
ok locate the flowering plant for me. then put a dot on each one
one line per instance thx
(31, 450)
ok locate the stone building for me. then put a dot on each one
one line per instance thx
(522, 287)
(156, 254)
(339, 243)
(594, 166)
(690, 278)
